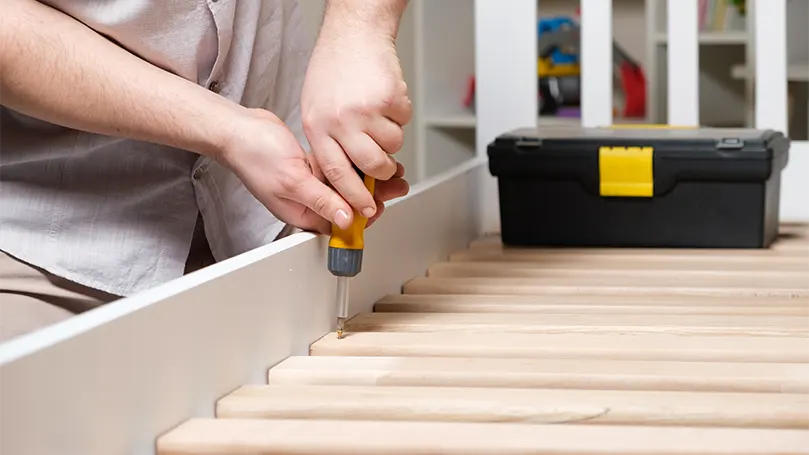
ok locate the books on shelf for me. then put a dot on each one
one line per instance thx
(722, 15)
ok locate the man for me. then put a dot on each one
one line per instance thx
(142, 139)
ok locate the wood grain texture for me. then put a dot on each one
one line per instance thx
(347, 437)
(567, 346)
(555, 352)
(775, 252)
(550, 286)
(791, 236)
(542, 373)
(590, 304)
(519, 405)
(639, 260)
(722, 325)
(713, 278)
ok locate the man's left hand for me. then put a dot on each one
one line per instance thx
(354, 107)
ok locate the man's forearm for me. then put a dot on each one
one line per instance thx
(376, 15)
(55, 69)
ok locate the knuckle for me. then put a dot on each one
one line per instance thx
(396, 140)
(289, 182)
(320, 204)
(377, 165)
(309, 119)
(332, 173)
(388, 99)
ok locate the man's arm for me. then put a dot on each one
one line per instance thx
(56, 69)
(355, 102)
(381, 16)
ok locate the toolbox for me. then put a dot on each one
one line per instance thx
(639, 186)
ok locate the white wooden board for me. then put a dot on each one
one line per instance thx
(109, 381)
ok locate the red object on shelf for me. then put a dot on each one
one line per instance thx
(469, 99)
(633, 83)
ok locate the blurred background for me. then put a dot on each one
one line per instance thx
(436, 45)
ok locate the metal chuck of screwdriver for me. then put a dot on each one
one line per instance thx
(345, 256)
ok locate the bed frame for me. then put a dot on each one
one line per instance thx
(110, 381)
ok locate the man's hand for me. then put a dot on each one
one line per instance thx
(355, 101)
(267, 157)
(93, 85)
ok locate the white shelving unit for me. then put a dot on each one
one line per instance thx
(723, 99)
(444, 62)
(436, 46)
(444, 51)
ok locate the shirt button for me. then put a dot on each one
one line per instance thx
(214, 86)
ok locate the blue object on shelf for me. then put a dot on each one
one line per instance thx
(553, 24)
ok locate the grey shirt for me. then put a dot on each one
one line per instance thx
(118, 215)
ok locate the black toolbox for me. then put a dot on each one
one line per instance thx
(639, 186)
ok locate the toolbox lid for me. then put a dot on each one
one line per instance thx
(661, 155)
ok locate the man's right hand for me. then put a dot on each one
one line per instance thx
(273, 166)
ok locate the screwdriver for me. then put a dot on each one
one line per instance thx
(345, 255)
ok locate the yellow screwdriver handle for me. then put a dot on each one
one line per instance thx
(346, 245)
(352, 238)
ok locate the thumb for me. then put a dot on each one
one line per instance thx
(320, 198)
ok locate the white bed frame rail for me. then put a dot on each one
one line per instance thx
(109, 381)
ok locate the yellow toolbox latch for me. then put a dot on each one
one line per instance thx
(626, 171)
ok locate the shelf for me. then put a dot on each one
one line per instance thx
(454, 120)
(735, 37)
(468, 120)
(795, 73)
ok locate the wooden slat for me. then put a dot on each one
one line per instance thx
(789, 246)
(557, 276)
(619, 260)
(774, 256)
(632, 352)
(530, 406)
(792, 236)
(722, 325)
(656, 347)
(589, 304)
(549, 286)
(492, 245)
(542, 373)
(346, 437)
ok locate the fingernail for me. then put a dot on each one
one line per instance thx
(368, 212)
(341, 219)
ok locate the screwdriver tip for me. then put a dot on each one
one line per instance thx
(340, 326)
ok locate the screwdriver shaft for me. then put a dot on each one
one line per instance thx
(342, 304)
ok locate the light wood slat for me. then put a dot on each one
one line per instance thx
(540, 270)
(542, 373)
(768, 278)
(658, 347)
(590, 304)
(791, 248)
(787, 246)
(791, 237)
(788, 233)
(788, 326)
(346, 437)
(560, 259)
(531, 406)
(541, 286)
